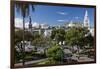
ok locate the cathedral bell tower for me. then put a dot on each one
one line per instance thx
(86, 20)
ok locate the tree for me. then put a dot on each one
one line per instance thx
(41, 41)
(89, 40)
(18, 44)
(29, 36)
(24, 9)
(75, 36)
(56, 53)
(58, 35)
(18, 36)
(89, 45)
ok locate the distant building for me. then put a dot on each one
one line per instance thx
(92, 31)
(71, 24)
(36, 26)
(44, 26)
(87, 23)
(74, 24)
(47, 32)
(86, 20)
(46, 29)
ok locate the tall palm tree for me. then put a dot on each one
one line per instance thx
(24, 10)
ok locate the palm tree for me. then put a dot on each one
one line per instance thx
(24, 10)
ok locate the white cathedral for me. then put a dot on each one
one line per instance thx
(87, 23)
(86, 20)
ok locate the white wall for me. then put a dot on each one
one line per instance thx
(5, 34)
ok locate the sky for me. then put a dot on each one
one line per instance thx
(55, 15)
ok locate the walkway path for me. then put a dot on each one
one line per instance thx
(31, 62)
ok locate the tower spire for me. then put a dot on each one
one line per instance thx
(86, 20)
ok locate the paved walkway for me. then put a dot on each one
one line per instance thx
(82, 58)
(31, 62)
(85, 59)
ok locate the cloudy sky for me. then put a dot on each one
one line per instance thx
(55, 15)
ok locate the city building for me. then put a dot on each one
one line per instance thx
(35, 25)
(74, 24)
(46, 29)
(47, 32)
(92, 31)
(44, 26)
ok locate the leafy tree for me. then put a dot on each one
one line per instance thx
(80, 37)
(18, 44)
(19, 38)
(18, 56)
(56, 53)
(89, 45)
(29, 36)
(37, 39)
(89, 40)
(58, 35)
(41, 41)
(75, 36)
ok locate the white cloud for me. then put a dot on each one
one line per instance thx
(62, 13)
(77, 17)
(61, 20)
(19, 23)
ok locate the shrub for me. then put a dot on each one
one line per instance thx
(56, 53)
